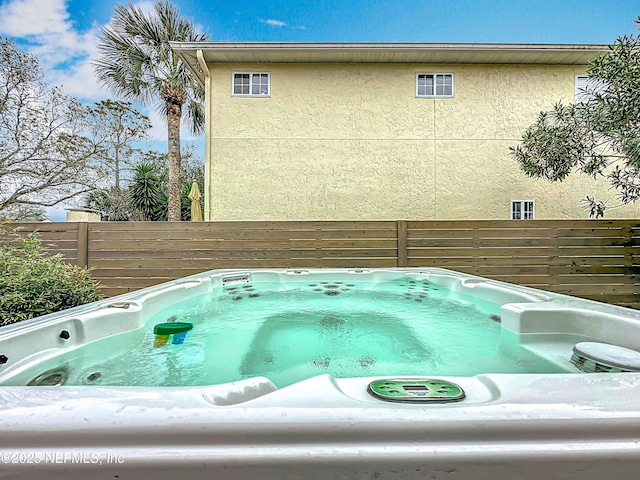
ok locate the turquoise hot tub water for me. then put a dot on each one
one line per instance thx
(292, 331)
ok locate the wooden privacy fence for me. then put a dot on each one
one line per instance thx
(595, 259)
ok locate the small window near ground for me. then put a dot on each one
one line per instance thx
(434, 85)
(251, 84)
(522, 209)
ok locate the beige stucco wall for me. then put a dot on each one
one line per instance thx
(82, 216)
(344, 142)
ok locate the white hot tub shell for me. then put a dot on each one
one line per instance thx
(509, 426)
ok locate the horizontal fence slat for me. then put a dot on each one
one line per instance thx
(593, 269)
(113, 291)
(115, 273)
(137, 282)
(522, 242)
(529, 224)
(607, 298)
(478, 261)
(226, 234)
(507, 270)
(242, 225)
(597, 279)
(569, 263)
(242, 253)
(597, 289)
(130, 266)
(242, 244)
(522, 232)
(524, 251)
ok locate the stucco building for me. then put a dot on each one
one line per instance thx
(382, 131)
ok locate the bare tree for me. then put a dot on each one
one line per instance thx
(115, 126)
(44, 156)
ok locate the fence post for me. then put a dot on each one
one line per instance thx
(402, 243)
(82, 257)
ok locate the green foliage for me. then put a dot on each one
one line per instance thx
(596, 208)
(34, 283)
(146, 192)
(561, 141)
(599, 135)
(145, 198)
(185, 202)
(114, 204)
(192, 171)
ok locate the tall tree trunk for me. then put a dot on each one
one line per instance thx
(117, 165)
(174, 114)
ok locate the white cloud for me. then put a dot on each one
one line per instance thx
(22, 18)
(274, 23)
(63, 52)
(78, 80)
(280, 24)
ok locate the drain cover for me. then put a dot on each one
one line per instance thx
(415, 390)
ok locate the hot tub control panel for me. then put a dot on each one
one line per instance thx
(415, 390)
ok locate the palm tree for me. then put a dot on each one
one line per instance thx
(137, 63)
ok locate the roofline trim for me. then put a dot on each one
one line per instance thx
(560, 47)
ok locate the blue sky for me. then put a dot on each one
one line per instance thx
(512, 21)
(64, 34)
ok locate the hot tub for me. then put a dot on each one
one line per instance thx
(292, 374)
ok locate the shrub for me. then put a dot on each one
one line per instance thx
(34, 283)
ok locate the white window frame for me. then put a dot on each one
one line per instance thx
(251, 74)
(582, 86)
(435, 74)
(525, 215)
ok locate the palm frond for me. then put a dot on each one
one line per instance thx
(195, 115)
(136, 61)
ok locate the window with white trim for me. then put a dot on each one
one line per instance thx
(523, 209)
(434, 85)
(586, 88)
(251, 84)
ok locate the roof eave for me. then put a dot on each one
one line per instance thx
(434, 53)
